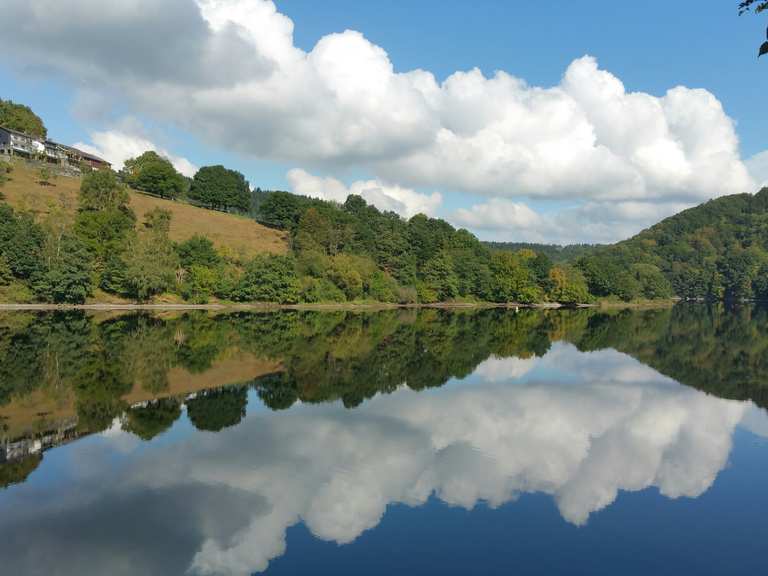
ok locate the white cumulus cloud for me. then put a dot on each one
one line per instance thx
(404, 201)
(229, 72)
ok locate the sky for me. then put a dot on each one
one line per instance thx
(547, 121)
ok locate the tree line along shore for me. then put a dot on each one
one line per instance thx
(148, 234)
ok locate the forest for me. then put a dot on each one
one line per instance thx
(715, 251)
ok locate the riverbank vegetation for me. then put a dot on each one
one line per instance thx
(337, 253)
(148, 234)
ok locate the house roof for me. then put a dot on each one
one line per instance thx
(19, 133)
(82, 153)
(86, 155)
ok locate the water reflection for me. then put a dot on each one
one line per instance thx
(533, 414)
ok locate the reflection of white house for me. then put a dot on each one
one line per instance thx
(15, 143)
(12, 450)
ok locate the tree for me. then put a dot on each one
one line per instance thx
(200, 283)
(67, 278)
(198, 251)
(151, 262)
(21, 118)
(281, 209)
(315, 232)
(567, 285)
(220, 188)
(513, 280)
(101, 190)
(21, 242)
(146, 422)
(217, 410)
(439, 279)
(758, 6)
(152, 173)
(269, 278)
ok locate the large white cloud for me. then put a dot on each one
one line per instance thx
(609, 424)
(404, 201)
(229, 71)
(601, 222)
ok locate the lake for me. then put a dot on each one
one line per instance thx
(396, 442)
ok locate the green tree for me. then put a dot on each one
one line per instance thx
(653, 283)
(439, 279)
(149, 421)
(281, 209)
(269, 278)
(219, 409)
(220, 188)
(567, 285)
(101, 191)
(200, 283)
(513, 280)
(21, 118)
(315, 233)
(151, 261)
(198, 251)
(67, 277)
(21, 242)
(18, 471)
(152, 173)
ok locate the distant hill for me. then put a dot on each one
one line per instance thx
(555, 252)
(239, 234)
(718, 250)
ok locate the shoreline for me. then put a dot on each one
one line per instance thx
(374, 306)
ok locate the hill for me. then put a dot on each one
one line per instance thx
(239, 234)
(718, 250)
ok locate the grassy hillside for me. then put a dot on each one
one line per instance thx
(239, 234)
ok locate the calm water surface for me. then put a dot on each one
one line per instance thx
(429, 442)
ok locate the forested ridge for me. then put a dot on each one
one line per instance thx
(715, 251)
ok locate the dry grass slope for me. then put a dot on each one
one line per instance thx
(239, 235)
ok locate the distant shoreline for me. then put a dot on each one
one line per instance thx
(105, 307)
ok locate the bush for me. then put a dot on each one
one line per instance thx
(198, 251)
(269, 278)
(314, 290)
(199, 284)
(68, 279)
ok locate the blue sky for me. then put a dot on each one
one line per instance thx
(581, 160)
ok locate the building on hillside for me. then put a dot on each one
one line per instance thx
(15, 143)
(76, 157)
(55, 153)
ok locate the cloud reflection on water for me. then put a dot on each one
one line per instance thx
(579, 427)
